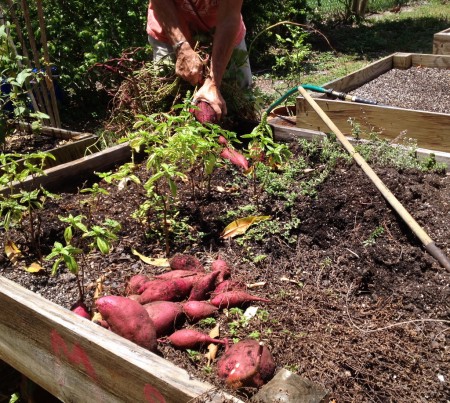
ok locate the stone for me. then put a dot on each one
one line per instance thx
(287, 387)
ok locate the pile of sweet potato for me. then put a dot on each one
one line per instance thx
(155, 309)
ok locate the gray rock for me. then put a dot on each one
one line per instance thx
(287, 387)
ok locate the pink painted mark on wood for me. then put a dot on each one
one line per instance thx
(152, 395)
(76, 355)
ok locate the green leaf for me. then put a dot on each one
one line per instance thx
(103, 246)
(68, 235)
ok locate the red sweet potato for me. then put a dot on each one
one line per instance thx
(177, 274)
(229, 285)
(203, 286)
(224, 269)
(190, 339)
(247, 363)
(236, 298)
(135, 283)
(165, 315)
(175, 289)
(81, 309)
(128, 319)
(235, 158)
(197, 310)
(205, 113)
(222, 140)
(149, 284)
(185, 262)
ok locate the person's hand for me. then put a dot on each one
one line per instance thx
(210, 93)
(189, 66)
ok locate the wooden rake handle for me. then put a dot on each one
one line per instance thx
(428, 243)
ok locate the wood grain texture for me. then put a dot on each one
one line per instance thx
(79, 361)
(361, 76)
(288, 133)
(441, 42)
(430, 129)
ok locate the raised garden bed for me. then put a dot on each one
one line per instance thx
(64, 145)
(350, 305)
(441, 42)
(429, 129)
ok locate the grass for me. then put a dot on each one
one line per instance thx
(355, 46)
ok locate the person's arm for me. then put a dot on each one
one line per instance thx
(189, 66)
(228, 24)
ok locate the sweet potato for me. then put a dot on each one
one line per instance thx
(235, 298)
(128, 319)
(191, 339)
(185, 262)
(175, 289)
(165, 315)
(81, 309)
(177, 274)
(229, 285)
(197, 310)
(235, 158)
(203, 286)
(247, 363)
(205, 113)
(221, 266)
(135, 283)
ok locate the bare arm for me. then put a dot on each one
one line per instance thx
(229, 19)
(189, 66)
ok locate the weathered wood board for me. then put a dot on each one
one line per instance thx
(79, 361)
(284, 131)
(431, 130)
(441, 42)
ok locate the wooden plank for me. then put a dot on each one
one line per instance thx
(73, 171)
(289, 132)
(432, 61)
(441, 42)
(72, 151)
(79, 361)
(430, 129)
(52, 131)
(361, 76)
(402, 61)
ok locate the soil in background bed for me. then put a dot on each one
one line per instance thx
(367, 320)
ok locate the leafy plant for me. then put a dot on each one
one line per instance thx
(74, 234)
(263, 149)
(179, 149)
(15, 206)
(291, 51)
(374, 235)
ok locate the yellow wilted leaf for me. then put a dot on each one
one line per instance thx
(158, 262)
(34, 268)
(12, 251)
(212, 348)
(241, 225)
(99, 287)
(97, 317)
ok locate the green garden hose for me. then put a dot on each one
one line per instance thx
(315, 88)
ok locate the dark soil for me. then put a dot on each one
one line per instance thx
(366, 317)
